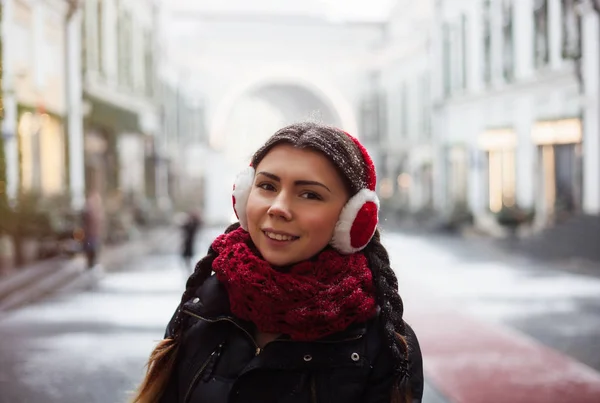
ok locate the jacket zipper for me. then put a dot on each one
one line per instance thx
(199, 373)
(257, 350)
(313, 389)
(313, 386)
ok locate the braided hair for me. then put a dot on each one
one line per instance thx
(348, 160)
(162, 359)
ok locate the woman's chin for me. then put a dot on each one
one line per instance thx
(279, 262)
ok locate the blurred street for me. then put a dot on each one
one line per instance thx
(124, 122)
(90, 343)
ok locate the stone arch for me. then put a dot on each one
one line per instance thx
(279, 87)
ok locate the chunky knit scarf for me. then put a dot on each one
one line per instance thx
(311, 300)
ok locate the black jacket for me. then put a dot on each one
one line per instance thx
(219, 361)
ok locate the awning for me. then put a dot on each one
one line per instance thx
(564, 131)
(497, 139)
(105, 114)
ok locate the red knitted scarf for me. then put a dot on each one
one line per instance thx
(312, 300)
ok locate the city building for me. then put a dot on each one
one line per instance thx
(404, 63)
(34, 88)
(120, 99)
(516, 108)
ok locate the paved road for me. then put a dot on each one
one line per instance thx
(556, 307)
(91, 345)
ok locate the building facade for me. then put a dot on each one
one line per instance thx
(405, 65)
(35, 97)
(120, 99)
(516, 117)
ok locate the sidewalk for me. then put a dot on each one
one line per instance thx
(469, 361)
(514, 250)
(39, 280)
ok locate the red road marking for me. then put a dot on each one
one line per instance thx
(471, 361)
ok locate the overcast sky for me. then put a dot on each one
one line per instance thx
(334, 9)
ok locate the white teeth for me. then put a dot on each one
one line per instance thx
(279, 237)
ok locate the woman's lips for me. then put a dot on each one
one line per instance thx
(279, 236)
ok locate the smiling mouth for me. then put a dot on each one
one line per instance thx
(280, 237)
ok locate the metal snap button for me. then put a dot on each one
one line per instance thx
(196, 300)
(308, 357)
(355, 357)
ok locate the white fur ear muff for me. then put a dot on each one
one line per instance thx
(359, 217)
(241, 191)
(357, 223)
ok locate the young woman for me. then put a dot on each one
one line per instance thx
(297, 302)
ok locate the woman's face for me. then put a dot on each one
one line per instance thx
(294, 204)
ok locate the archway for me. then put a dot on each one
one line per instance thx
(297, 95)
(253, 111)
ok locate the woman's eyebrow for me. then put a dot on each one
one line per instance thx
(296, 183)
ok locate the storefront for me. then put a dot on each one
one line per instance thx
(420, 178)
(42, 152)
(103, 125)
(500, 146)
(559, 152)
(457, 176)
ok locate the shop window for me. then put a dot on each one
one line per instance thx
(27, 129)
(501, 179)
(52, 158)
(458, 175)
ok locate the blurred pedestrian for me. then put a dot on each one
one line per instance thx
(303, 305)
(92, 220)
(190, 228)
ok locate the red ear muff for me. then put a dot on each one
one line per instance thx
(241, 191)
(357, 223)
(359, 217)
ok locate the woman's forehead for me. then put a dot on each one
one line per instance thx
(288, 159)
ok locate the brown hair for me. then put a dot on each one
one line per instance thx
(348, 160)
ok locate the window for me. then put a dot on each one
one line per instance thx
(382, 118)
(425, 106)
(446, 59)
(90, 32)
(100, 36)
(149, 63)
(463, 54)
(124, 35)
(571, 28)
(507, 40)
(541, 39)
(455, 58)
(487, 42)
(404, 110)
(120, 48)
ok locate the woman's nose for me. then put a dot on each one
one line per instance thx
(281, 207)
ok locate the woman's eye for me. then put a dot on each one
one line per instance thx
(311, 196)
(266, 186)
